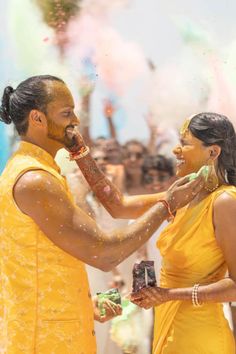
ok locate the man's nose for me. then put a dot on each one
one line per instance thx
(76, 120)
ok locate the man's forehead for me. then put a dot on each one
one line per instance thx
(60, 93)
(57, 88)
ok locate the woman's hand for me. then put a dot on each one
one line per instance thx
(184, 191)
(111, 309)
(73, 139)
(149, 297)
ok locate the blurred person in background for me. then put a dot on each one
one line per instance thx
(158, 173)
(114, 151)
(133, 157)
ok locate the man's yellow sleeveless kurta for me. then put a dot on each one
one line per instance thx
(191, 255)
(46, 305)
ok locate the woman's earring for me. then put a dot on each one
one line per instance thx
(212, 182)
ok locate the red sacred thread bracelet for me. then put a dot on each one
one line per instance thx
(167, 205)
(76, 155)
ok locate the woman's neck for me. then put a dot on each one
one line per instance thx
(203, 194)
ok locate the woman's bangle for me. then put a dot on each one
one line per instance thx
(77, 155)
(195, 300)
(167, 205)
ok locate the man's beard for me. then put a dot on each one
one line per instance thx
(57, 133)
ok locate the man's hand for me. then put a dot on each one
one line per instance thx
(184, 191)
(112, 310)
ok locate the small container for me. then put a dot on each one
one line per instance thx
(143, 275)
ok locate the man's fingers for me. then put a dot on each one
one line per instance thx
(186, 182)
(119, 310)
(113, 308)
(180, 182)
(196, 185)
(109, 307)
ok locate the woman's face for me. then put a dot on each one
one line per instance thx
(191, 155)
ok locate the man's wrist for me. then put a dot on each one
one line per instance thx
(167, 206)
(172, 202)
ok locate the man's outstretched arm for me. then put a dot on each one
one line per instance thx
(43, 198)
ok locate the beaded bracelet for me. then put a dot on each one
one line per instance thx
(82, 152)
(195, 301)
(167, 205)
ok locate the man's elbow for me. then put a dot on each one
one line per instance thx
(106, 268)
(108, 265)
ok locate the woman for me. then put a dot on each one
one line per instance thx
(134, 153)
(198, 247)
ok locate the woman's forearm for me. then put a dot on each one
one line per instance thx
(106, 192)
(222, 291)
(118, 205)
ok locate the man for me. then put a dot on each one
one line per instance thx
(46, 239)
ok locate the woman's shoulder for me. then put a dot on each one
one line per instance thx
(224, 210)
(225, 190)
(225, 196)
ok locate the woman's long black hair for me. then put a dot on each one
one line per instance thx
(216, 129)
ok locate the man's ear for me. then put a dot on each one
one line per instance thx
(215, 151)
(37, 118)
